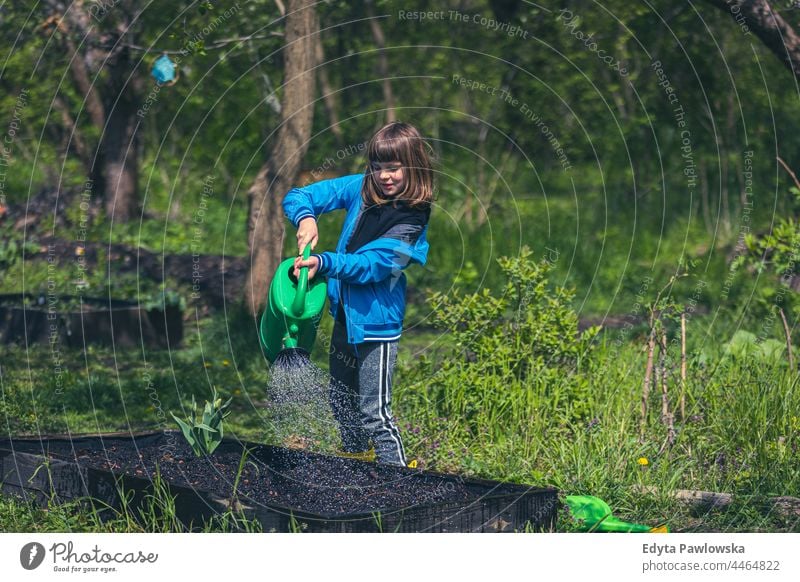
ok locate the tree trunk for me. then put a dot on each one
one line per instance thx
(279, 173)
(328, 93)
(110, 106)
(768, 26)
(119, 144)
(383, 63)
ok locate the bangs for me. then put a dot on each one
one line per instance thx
(387, 149)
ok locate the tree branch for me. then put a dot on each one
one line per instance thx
(213, 46)
(778, 35)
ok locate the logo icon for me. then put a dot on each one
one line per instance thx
(31, 555)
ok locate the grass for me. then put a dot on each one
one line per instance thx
(573, 428)
(156, 514)
(741, 435)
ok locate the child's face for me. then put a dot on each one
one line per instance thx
(390, 176)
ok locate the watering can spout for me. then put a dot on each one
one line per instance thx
(290, 339)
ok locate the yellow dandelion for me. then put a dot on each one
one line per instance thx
(643, 461)
(226, 363)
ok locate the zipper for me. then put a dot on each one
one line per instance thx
(341, 306)
(344, 310)
(349, 322)
(341, 249)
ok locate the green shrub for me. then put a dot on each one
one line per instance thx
(515, 355)
(528, 327)
(744, 346)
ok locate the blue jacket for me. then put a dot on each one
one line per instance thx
(369, 282)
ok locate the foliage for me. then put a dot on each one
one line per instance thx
(741, 434)
(515, 392)
(778, 254)
(162, 299)
(204, 126)
(527, 327)
(745, 346)
(205, 433)
(516, 352)
(778, 250)
(13, 247)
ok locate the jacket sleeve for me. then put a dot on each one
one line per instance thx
(376, 261)
(320, 197)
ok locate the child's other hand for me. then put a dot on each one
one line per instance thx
(307, 233)
(312, 263)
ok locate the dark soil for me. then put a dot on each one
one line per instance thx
(302, 481)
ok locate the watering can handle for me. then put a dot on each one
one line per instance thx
(299, 304)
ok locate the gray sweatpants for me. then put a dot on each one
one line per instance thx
(361, 396)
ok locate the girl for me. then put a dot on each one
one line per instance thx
(384, 230)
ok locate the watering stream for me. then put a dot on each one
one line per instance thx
(298, 396)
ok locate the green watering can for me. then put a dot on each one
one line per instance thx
(294, 308)
(596, 516)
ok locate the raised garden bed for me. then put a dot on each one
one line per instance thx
(74, 322)
(281, 488)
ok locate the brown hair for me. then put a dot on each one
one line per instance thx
(400, 142)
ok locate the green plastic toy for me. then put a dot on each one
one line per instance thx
(594, 514)
(294, 308)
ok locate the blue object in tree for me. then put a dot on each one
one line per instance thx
(163, 70)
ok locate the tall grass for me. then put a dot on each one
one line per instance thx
(575, 422)
(741, 436)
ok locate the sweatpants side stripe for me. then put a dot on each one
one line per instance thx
(384, 398)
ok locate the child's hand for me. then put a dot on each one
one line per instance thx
(307, 233)
(312, 263)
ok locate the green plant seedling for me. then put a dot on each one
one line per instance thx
(204, 434)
